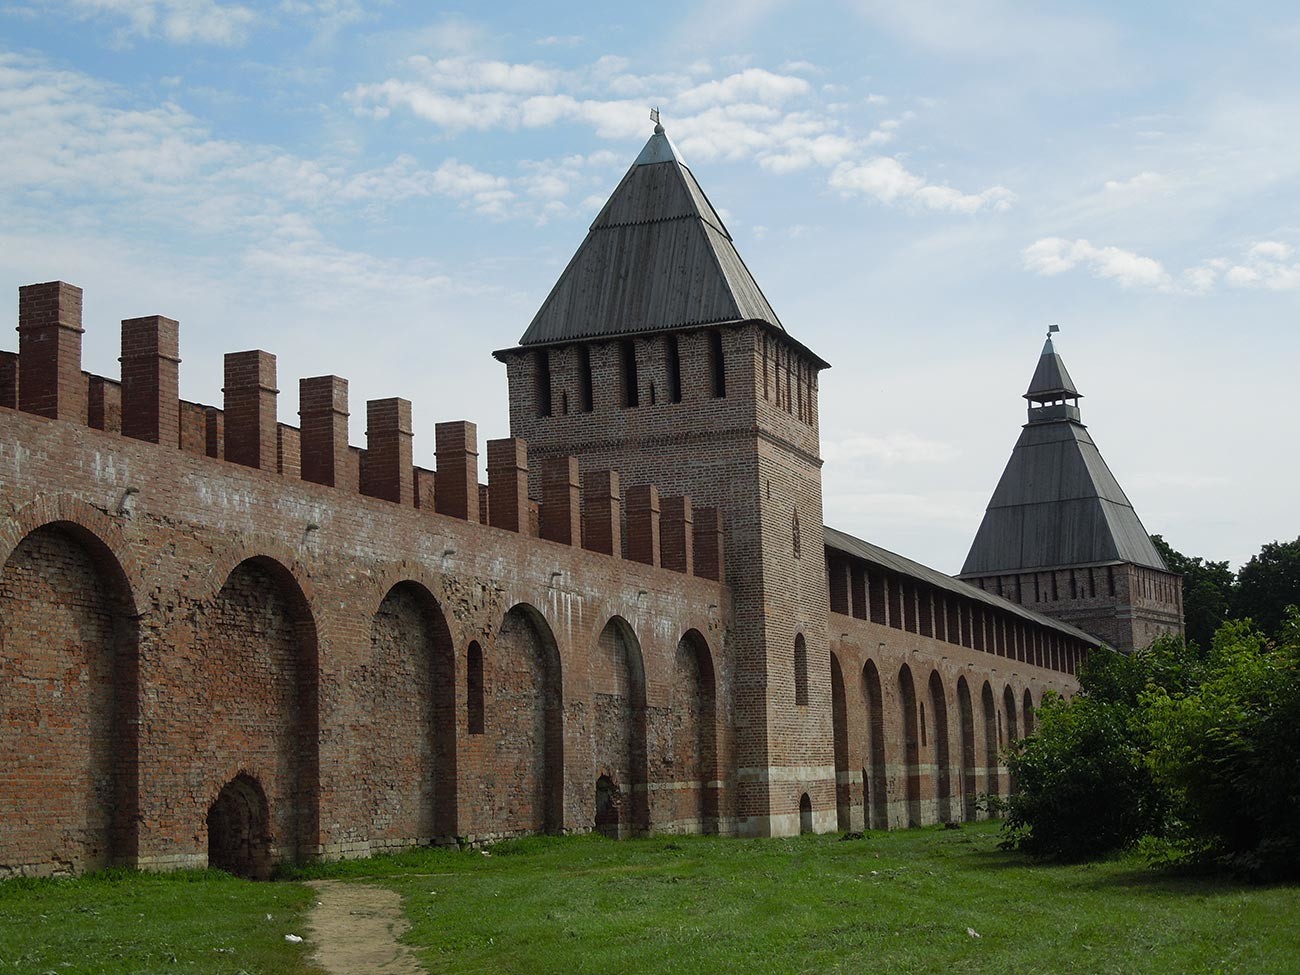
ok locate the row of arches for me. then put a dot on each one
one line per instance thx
(254, 749)
(928, 757)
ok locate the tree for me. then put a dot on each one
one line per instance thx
(1207, 592)
(1268, 584)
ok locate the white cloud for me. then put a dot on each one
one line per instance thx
(1265, 265)
(886, 179)
(749, 114)
(179, 21)
(1055, 255)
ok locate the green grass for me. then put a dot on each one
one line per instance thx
(893, 902)
(122, 922)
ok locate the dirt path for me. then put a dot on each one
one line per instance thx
(355, 928)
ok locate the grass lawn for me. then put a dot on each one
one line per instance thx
(893, 902)
(121, 922)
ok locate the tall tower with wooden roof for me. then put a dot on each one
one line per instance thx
(1061, 537)
(657, 355)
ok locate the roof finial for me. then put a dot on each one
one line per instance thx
(1051, 329)
(654, 117)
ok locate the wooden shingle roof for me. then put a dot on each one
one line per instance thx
(657, 256)
(1057, 503)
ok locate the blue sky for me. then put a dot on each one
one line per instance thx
(387, 192)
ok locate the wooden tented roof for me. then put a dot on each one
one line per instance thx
(658, 256)
(1057, 504)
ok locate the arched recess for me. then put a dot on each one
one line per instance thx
(693, 723)
(1011, 708)
(875, 785)
(523, 783)
(1028, 713)
(69, 699)
(990, 709)
(966, 723)
(911, 745)
(406, 714)
(942, 758)
(618, 720)
(840, 739)
(254, 679)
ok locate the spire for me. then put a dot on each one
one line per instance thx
(656, 257)
(1051, 386)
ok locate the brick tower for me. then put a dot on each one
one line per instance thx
(656, 355)
(1061, 537)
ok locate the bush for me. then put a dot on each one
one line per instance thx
(1201, 755)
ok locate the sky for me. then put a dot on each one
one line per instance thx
(387, 192)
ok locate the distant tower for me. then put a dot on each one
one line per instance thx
(1060, 536)
(657, 355)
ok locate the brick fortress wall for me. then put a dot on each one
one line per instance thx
(203, 607)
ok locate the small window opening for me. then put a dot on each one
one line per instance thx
(718, 365)
(796, 540)
(474, 686)
(542, 373)
(800, 670)
(766, 394)
(674, 370)
(789, 383)
(564, 404)
(584, 377)
(653, 400)
(798, 386)
(627, 352)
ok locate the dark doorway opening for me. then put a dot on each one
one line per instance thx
(607, 803)
(805, 814)
(238, 841)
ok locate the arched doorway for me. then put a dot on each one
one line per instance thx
(693, 720)
(805, 814)
(608, 800)
(238, 840)
(990, 709)
(618, 728)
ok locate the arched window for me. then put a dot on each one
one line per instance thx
(474, 686)
(800, 670)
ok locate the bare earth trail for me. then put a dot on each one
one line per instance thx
(355, 928)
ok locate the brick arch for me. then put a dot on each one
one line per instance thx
(378, 585)
(100, 533)
(876, 786)
(693, 718)
(71, 616)
(840, 746)
(517, 785)
(405, 695)
(939, 711)
(297, 784)
(619, 720)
